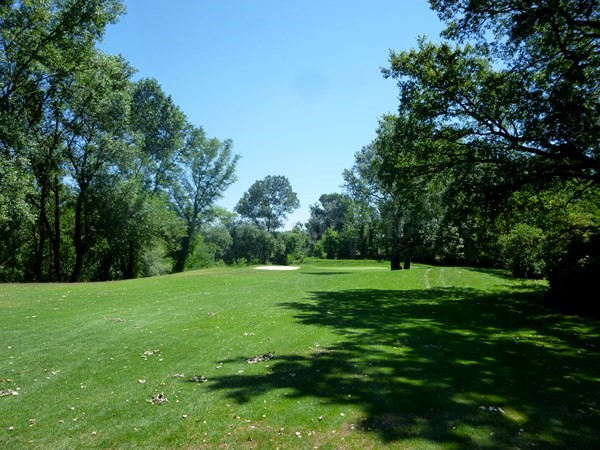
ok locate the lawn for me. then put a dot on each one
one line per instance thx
(361, 358)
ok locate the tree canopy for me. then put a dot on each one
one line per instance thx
(498, 125)
(268, 202)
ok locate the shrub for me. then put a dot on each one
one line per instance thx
(522, 251)
(574, 270)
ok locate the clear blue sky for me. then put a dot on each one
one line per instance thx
(296, 84)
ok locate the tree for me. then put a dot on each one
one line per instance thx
(43, 46)
(511, 108)
(268, 202)
(16, 216)
(333, 212)
(96, 123)
(523, 97)
(161, 130)
(251, 244)
(207, 170)
(42, 43)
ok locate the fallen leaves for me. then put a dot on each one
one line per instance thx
(158, 399)
(261, 358)
(8, 392)
(492, 409)
(198, 379)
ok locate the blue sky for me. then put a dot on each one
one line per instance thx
(296, 85)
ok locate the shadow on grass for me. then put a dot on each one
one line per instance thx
(429, 364)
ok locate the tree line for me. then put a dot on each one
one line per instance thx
(102, 176)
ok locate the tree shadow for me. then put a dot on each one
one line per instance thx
(427, 364)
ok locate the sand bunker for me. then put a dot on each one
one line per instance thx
(277, 268)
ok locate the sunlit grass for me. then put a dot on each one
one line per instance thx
(363, 358)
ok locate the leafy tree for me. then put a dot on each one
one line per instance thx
(522, 250)
(207, 170)
(511, 108)
(297, 244)
(43, 46)
(42, 43)
(99, 105)
(331, 243)
(251, 244)
(333, 212)
(268, 202)
(161, 128)
(16, 218)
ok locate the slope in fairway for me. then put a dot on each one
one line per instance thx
(341, 356)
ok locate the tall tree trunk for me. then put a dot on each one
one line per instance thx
(183, 253)
(129, 272)
(39, 251)
(396, 252)
(58, 271)
(78, 243)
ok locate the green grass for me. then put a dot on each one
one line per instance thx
(364, 358)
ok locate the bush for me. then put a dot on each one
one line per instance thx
(574, 271)
(522, 251)
(155, 262)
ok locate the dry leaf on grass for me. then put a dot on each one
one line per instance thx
(158, 399)
(260, 358)
(198, 379)
(7, 392)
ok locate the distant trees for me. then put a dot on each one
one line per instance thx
(268, 202)
(257, 236)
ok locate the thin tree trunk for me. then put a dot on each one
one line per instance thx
(58, 271)
(78, 243)
(39, 252)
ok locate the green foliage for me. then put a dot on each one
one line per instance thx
(573, 255)
(331, 243)
(268, 202)
(495, 130)
(207, 170)
(94, 166)
(252, 244)
(297, 245)
(155, 261)
(522, 251)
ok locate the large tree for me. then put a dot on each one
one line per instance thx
(207, 170)
(44, 45)
(96, 123)
(160, 128)
(43, 42)
(522, 95)
(268, 202)
(510, 107)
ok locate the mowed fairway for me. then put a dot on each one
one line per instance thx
(363, 358)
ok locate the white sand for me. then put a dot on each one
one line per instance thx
(277, 268)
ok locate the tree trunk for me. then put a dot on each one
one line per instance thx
(78, 243)
(406, 264)
(130, 266)
(395, 262)
(39, 251)
(183, 253)
(58, 272)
